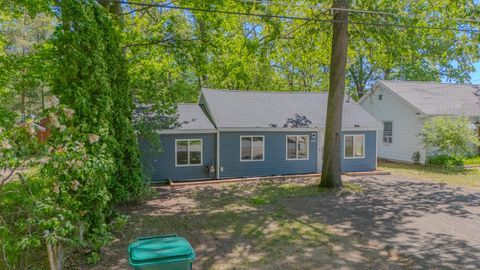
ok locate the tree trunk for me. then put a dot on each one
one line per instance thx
(114, 8)
(331, 169)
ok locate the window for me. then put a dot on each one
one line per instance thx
(354, 146)
(188, 152)
(380, 97)
(297, 147)
(387, 132)
(251, 148)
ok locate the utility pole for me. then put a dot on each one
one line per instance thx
(331, 168)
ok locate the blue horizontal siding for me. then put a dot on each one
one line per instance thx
(161, 167)
(274, 163)
(368, 163)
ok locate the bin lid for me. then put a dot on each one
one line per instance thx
(160, 248)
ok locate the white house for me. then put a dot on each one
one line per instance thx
(403, 107)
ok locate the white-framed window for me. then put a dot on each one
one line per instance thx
(354, 146)
(252, 148)
(188, 152)
(297, 147)
(388, 132)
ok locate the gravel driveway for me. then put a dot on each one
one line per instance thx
(434, 226)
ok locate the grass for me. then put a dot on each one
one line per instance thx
(238, 226)
(472, 161)
(272, 192)
(453, 176)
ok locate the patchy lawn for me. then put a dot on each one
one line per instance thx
(453, 176)
(251, 226)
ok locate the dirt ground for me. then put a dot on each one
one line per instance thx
(376, 222)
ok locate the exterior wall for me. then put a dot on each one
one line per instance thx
(407, 124)
(162, 167)
(367, 163)
(274, 163)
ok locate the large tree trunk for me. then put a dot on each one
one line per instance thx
(331, 169)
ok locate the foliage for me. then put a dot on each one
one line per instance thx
(90, 161)
(173, 53)
(472, 161)
(445, 160)
(25, 63)
(449, 135)
(65, 203)
(92, 79)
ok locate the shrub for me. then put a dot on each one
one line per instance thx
(445, 160)
(472, 161)
(452, 135)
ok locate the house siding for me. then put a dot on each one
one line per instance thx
(274, 163)
(367, 163)
(161, 166)
(407, 124)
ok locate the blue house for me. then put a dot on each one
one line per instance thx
(230, 134)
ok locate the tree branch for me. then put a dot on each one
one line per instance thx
(162, 42)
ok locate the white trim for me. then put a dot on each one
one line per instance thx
(186, 131)
(296, 147)
(360, 129)
(364, 146)
(262, 129)
(319, 149)
(376, 149)
(251, 148)
(210, 114)
(383, 133)
(188, 151)
(385, 87)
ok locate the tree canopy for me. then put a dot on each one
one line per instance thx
(101, 58)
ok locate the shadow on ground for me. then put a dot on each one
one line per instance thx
(433, 225)
(375, 223)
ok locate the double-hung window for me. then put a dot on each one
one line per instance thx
(252, 148)
(297, 147)
(354, 146)
(387, 132)
(188, 152)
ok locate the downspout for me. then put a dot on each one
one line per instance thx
(218, 155)
(377, 144)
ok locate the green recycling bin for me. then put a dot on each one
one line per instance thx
(162, 252)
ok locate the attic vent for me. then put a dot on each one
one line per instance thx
(380, 97)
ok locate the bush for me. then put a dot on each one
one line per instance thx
(449, 136)
(472, 161)
(445, 160)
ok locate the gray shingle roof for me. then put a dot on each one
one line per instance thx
(250, 109)
(191, 116)
(433, 98)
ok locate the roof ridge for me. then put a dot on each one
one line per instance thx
(428, 82)
(264, 91)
